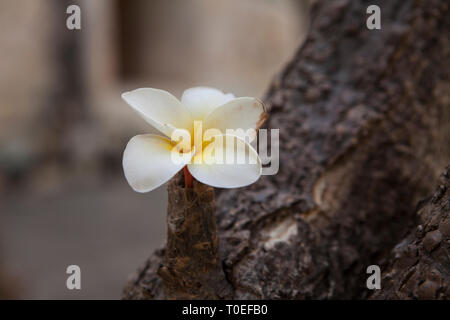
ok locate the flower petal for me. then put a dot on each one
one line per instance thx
(159, 108)
(245, 113)
(147, 162)
(202, 100)
(227, 174)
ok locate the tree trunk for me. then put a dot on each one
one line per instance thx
(419, 266)
(364, 134)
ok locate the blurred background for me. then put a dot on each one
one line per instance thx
(63, 126)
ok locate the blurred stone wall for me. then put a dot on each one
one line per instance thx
(235, 45)
(63, 125)
(25, 76)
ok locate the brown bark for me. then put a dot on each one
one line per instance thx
(364, 127)
(191, 268)
(419, 266)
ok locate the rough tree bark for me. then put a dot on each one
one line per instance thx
(419, 266)
(191, 268)
(364, 126)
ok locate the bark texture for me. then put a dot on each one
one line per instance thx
(419, 266)
(191, 268)
(364, 134)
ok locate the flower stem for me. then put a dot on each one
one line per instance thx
(188, 178)
(191, 268)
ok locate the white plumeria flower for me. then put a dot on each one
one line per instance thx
(147, 159)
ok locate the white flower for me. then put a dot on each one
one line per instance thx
(147, 159)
